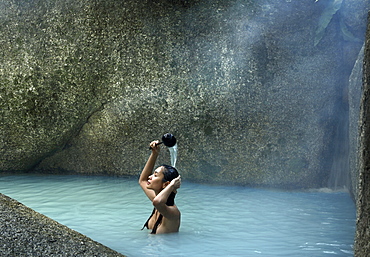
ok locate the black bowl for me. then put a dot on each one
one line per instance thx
(169, 140)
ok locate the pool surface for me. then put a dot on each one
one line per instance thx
(216, 220)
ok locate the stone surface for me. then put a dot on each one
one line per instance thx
(362, 241)
(354, 100)
(25, 232)
(251, 95)
(50, 78)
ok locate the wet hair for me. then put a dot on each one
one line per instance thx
(169, 173)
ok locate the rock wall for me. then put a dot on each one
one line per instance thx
(362, 241)
(255, 91)
(355, 92)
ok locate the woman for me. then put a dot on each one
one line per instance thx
(161, 188)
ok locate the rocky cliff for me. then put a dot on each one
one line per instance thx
(255, 92)
(362, 242)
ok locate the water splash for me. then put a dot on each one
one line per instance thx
(173, 153)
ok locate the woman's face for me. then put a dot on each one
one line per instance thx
(155, 181)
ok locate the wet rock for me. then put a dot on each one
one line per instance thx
(25, 232)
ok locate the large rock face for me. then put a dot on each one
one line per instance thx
(254, 91)
(362, 244)
(355, 120)
(50, 78)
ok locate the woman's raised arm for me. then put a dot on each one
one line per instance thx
(148, 169)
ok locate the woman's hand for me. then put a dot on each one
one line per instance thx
(154, 145)
(176, 183)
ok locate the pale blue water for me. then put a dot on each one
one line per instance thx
(216, 220)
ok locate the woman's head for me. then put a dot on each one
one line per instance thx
(169, 173)
(161, 177)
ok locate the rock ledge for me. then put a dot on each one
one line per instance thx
(25, 232)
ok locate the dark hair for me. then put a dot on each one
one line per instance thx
(169, 173)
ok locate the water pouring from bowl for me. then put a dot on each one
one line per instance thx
(169, 140)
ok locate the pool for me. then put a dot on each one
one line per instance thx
(216, 220)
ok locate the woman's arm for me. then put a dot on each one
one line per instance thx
(148, 169)
(160, 200)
